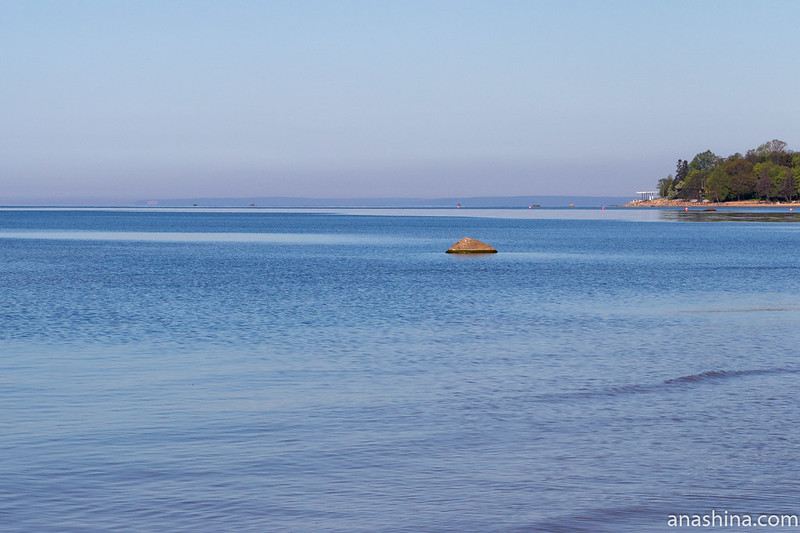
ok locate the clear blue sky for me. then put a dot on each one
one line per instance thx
(164, 99)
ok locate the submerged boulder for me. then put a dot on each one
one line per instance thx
(471, 246)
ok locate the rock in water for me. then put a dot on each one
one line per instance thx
(471, 246)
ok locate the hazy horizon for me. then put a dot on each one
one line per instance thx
(128, 101)
(301, 202)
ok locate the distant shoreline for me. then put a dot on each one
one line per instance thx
(660, 202)
(398, 202)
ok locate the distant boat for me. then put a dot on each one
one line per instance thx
(572, 205)
(458, 206)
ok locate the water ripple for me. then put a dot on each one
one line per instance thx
(172, 236)
(716, 375)
(644, 388)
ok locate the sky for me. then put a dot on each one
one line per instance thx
(182, 99)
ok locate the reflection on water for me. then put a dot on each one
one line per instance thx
(729, 215)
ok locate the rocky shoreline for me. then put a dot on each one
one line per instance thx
(660, 202)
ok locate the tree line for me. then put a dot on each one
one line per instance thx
(770, 172)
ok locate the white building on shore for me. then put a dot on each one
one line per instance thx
(646, 195)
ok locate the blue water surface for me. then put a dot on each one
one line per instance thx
(259, 370)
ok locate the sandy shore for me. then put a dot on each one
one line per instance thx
(660, 202)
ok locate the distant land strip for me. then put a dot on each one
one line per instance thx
(466, 202)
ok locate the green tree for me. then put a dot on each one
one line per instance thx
(705, 161)
(691, 186)
(796, 171)
(783, 183)
(763, 179)
(774, 151)
(681, 171)
(776, 146)
(666, 187)
(742, 178)
(754, 157)
(770, 180)
(796, 176)
(718, 185)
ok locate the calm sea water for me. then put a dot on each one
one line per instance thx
(257, 370)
